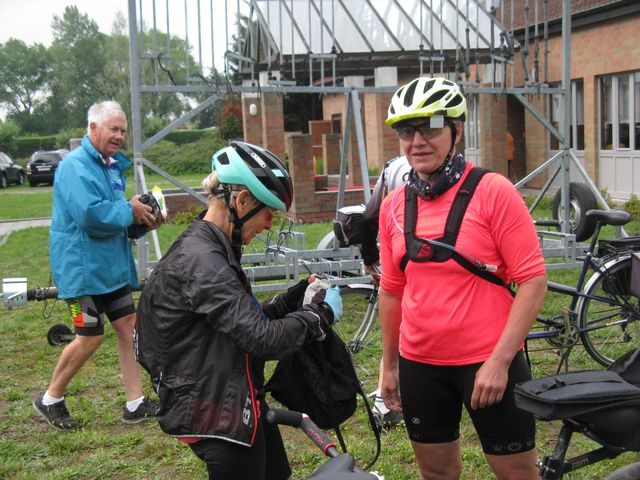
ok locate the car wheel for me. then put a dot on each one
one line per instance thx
(581, 200)
(3, 180)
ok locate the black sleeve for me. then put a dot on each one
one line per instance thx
(369, 224)
(290, 301)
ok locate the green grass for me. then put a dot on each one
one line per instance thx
(105, 448)
(22, 202)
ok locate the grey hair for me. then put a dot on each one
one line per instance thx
(99, 112)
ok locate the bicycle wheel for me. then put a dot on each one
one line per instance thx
(630, 472)
(359, 328)
(609, 315)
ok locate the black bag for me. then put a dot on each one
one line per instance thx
(320, 380)
(606, 403)
(346, 226)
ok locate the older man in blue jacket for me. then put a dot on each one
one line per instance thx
(92, 262)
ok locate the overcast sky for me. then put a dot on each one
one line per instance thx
(30, 20)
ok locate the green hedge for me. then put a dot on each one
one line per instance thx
(25, 146)
(180, 137)
(192, 157)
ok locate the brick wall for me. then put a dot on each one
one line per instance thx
(180, 201)
(272, 123)
(252, 124)
(310, 205)
(608, 47)
(331, 153)
(382, 141)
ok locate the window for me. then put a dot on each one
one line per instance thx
(620, 111)
(623, 111)
(577, 118)
(472, 125)
(606, 106)
(636, 111)
(556, 104)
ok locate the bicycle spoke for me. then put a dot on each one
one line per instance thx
(360, 330)
(608, 316)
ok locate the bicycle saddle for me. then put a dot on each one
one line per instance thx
(610, 217)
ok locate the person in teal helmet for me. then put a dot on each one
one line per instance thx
(203, 336)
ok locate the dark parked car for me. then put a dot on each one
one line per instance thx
(10, 172)
(42, 166)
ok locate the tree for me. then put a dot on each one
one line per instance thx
(8, 133)
(23, 78)
(231, 118)
(79, 61)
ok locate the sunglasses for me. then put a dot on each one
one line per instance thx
(427, 132)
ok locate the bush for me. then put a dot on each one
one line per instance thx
(607, 198)
(632, 206)
(63, 137)
(192, 157)
(25, 146)
(231, 128)
(8, 132)
(187, 217)
(180, 137)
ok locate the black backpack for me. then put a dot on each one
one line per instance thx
(320, 380)
(346, 225)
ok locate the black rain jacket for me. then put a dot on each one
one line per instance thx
(203, 337)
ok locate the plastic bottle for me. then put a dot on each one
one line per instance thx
(156, 191)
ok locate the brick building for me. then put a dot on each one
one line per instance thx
(605, 116)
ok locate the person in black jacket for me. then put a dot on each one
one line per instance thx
(394, 174)
(202, 335)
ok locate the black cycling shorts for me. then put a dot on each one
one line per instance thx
(432, 398)
(87, 312)
(265, 460)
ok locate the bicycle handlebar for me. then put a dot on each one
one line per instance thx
(302, 421)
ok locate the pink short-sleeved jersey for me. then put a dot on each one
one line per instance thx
(449, 315)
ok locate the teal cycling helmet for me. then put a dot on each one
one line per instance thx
(262, 172)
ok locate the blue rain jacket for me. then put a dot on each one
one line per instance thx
(88, 244)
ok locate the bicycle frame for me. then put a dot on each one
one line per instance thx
(564, 325)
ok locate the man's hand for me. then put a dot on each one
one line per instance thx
(142, 214)
(374, 271)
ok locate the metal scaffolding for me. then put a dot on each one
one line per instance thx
(315, 44)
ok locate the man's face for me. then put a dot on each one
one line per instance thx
(108, 137)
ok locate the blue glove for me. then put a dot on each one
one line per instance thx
(334, 300)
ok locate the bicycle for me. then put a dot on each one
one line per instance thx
(340, 466)
(603, 314)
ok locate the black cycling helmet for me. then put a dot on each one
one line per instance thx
(258, 169)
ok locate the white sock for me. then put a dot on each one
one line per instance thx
(48, 400)
(380, 406)
(133, 404)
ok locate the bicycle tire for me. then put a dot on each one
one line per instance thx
(608, 301)
(630, 472)
(360, 331)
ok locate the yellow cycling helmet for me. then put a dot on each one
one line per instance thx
(427, 97)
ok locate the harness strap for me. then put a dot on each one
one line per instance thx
(451, 230)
